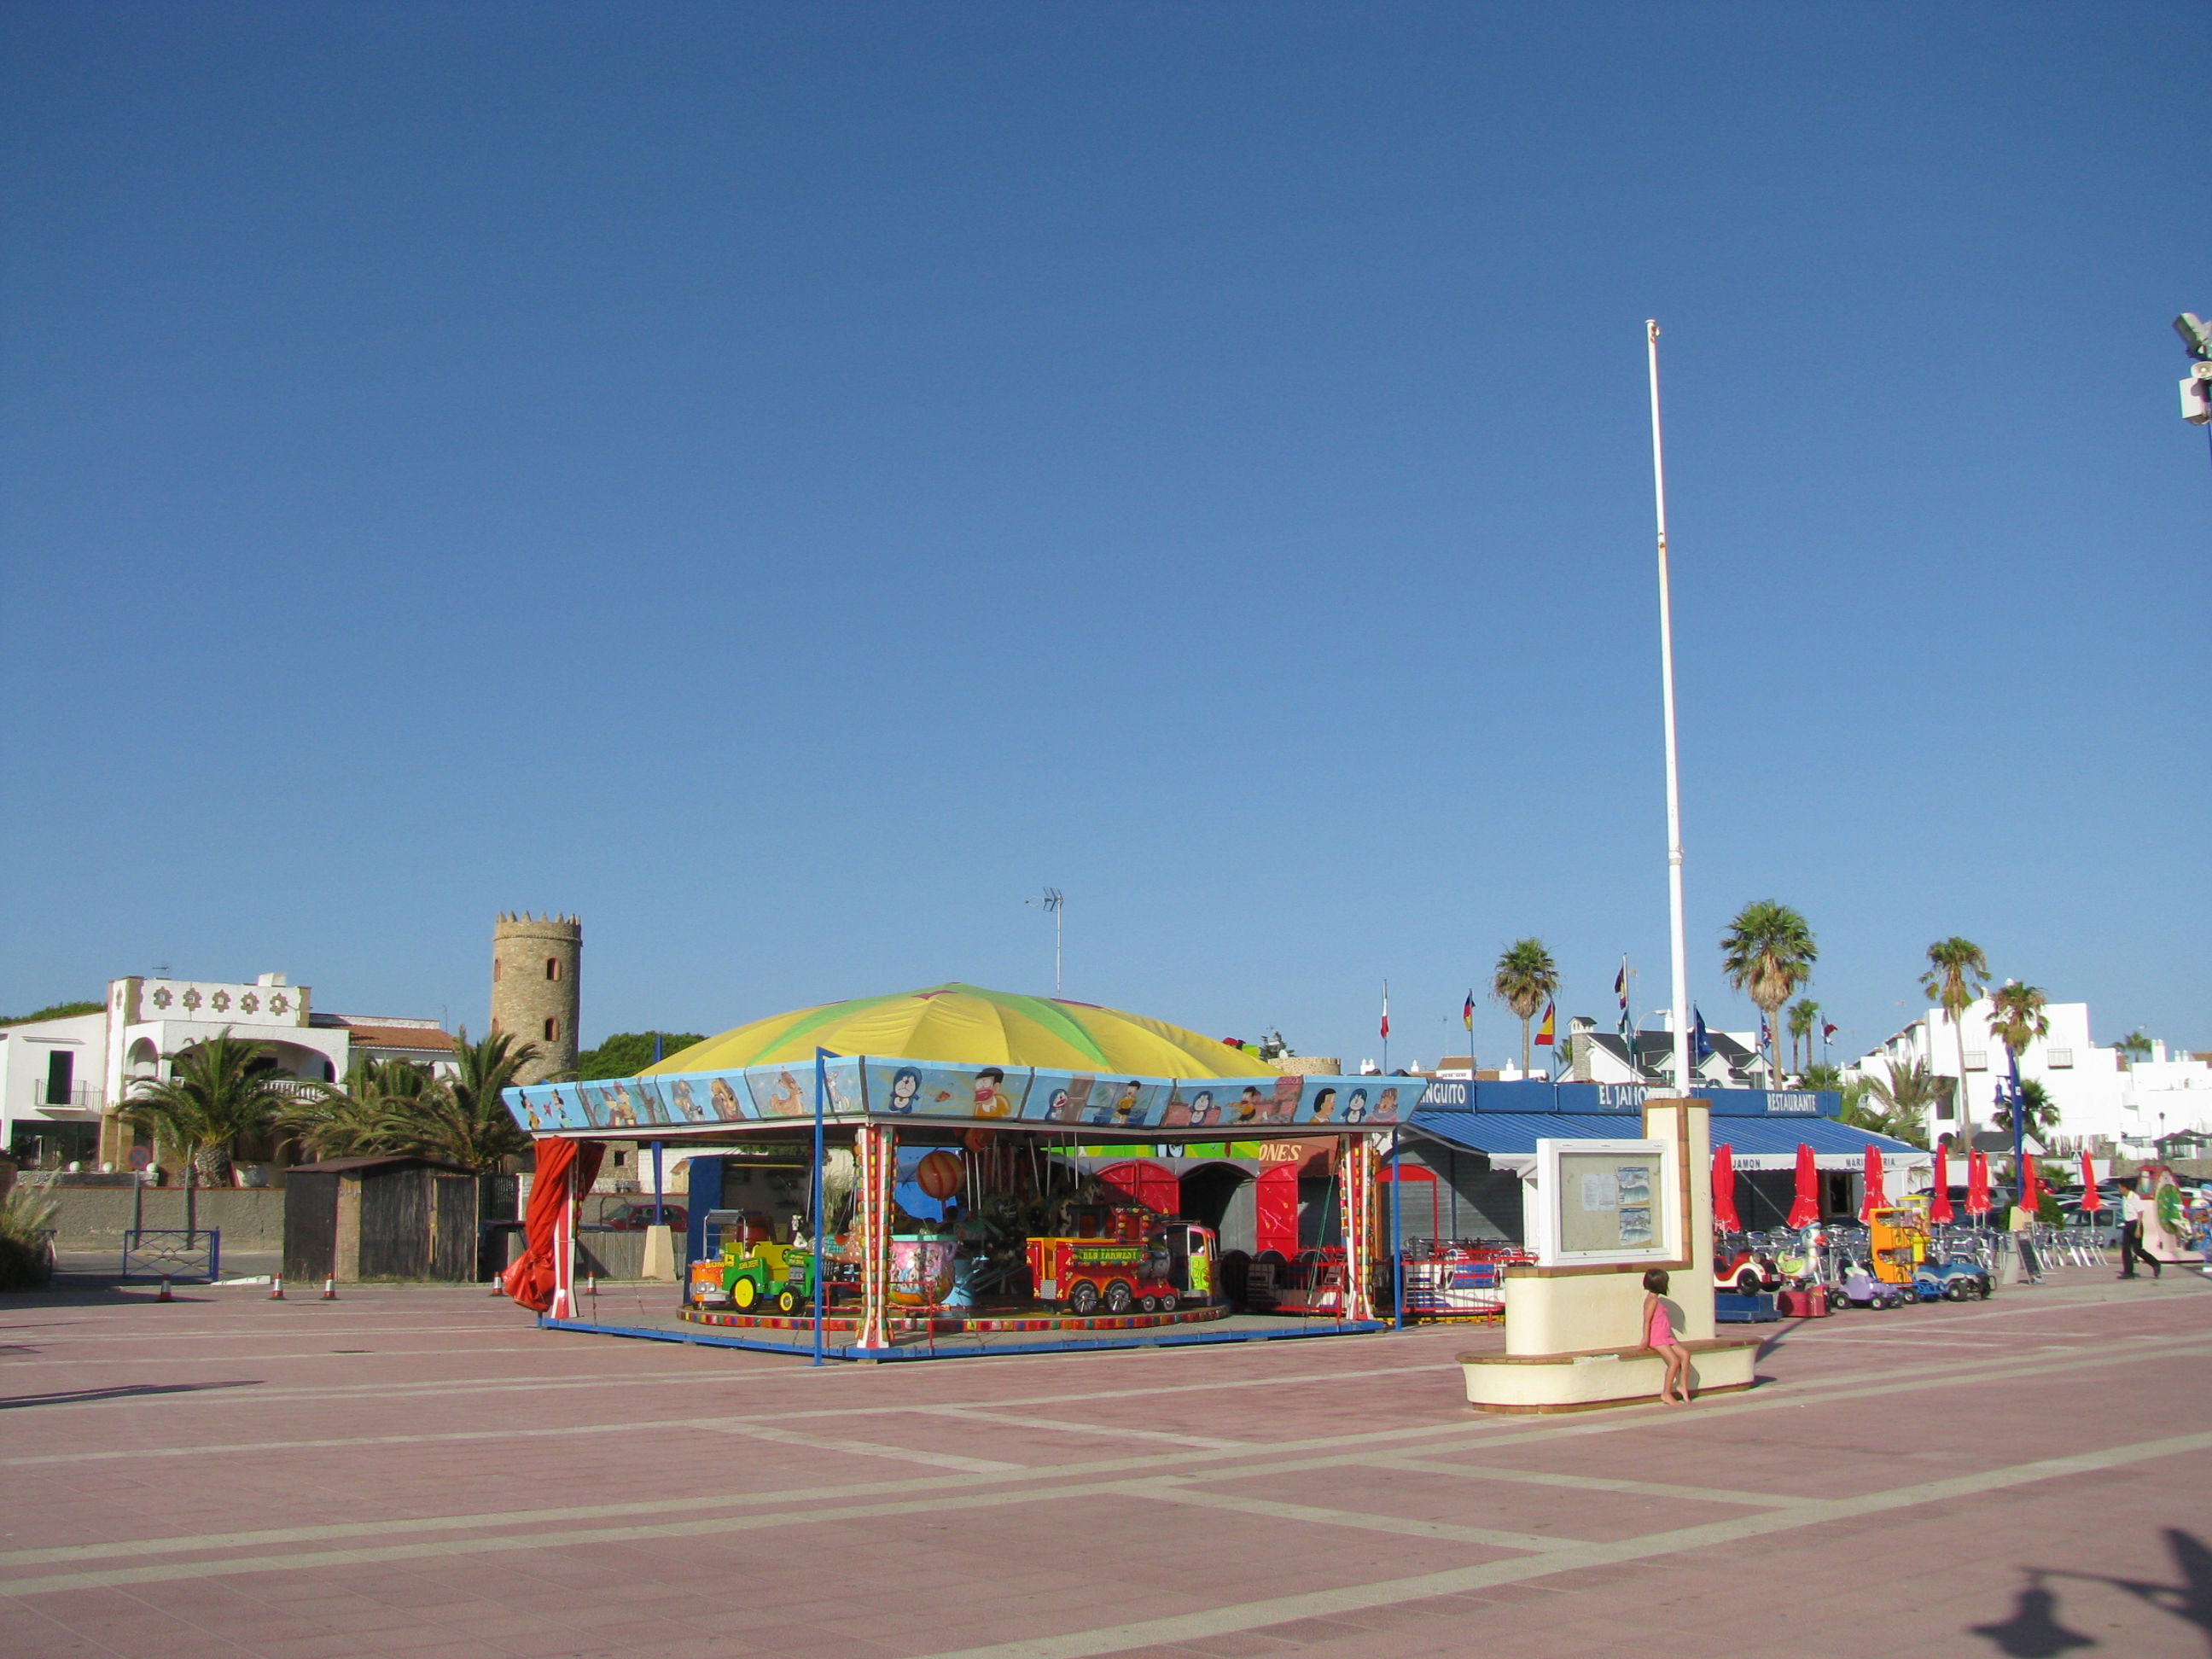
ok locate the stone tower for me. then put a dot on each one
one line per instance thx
(534, 993)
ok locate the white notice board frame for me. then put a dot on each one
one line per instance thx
(1560, 1239)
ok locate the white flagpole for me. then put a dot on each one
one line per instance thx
(1677, 943)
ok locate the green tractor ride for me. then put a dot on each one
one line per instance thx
(764, 1275)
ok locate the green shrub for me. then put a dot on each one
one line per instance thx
(27, 1220)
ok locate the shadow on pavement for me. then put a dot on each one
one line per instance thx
(133, 1391)
(2034, 1631)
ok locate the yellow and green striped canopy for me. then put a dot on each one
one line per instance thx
(966, 1026)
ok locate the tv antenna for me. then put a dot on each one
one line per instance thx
(1055, 901)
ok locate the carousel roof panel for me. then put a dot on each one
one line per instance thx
(965, 1024)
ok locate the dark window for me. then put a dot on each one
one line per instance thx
(494, 970)
(552, 1029)
(61, 1073)
(552, 967)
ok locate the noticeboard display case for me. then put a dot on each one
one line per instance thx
(1599, 1203)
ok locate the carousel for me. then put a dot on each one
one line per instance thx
(921, 1174)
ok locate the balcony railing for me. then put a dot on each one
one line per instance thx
(84, 1097)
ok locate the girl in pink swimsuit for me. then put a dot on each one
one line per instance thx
(1659, 1336)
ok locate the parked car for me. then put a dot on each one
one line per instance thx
(635, 1216)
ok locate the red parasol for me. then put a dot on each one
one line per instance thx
(1938, 1207)
(1724, 1216)
(2093, 1201)
(2031, 1187)
(1805, 1209)
(1977, 1183)
(1875, 1198)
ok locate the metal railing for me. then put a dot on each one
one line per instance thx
(83, 1098)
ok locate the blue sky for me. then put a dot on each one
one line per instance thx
(786, 482)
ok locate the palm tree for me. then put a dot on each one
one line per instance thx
(217, 1090)
(2017, 1017)
(2133, 1046)
(2039, 1112)
(1908, 1094)
(378, 1110)
(1767, 952)
(1957, 975)
(1804, 1020)
(462, 1119)
(1525, 979)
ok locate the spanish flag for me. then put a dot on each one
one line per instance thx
(1547, 1033)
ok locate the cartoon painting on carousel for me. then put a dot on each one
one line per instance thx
(920, 1088)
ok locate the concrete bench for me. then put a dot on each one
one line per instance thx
(1586, 1379)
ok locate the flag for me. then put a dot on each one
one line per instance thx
(1701, 1044)
(1386, 1013)
(1547, 1033)
(1466, 1011)
(1620, 990)
(1828, 1033)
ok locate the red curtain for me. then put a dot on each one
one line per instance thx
(1724, 1216)
(1805, 1209)
(1939, 1205)
(530, 1280)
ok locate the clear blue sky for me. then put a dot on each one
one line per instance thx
(788, 481)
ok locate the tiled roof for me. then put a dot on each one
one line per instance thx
(400, 1036)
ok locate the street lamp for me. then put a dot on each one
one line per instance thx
(1055, 901)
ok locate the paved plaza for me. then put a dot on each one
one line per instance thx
(421, 1472)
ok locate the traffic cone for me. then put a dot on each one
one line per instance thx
(276, 1289)
(591, 1286)
(165, 1296)
(329, 1290)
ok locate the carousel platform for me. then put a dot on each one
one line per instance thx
(948, 1322)
(944, 1335)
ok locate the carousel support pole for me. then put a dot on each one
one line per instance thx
(1397, 1240)
(564, 1248)
(876, 1152)
(814, 1202)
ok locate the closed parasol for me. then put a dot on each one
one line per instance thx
(1724, 1216)
(1938, 1205)
(1875, 1198)
(1977, 1183)
(2093, 1201)
(1805, 1208)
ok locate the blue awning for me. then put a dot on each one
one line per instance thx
(1515, 1134)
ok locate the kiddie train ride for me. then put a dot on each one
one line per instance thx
(953, 1129)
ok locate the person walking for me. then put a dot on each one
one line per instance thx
(2132, 1205)
(1659, 1336)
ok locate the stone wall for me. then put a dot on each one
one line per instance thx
(95, 1217)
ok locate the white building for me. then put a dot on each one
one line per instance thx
(2100, 1095)
(63, 1080)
